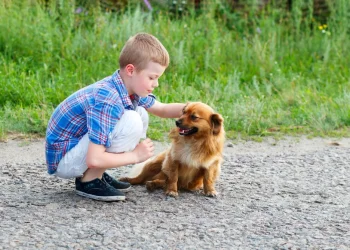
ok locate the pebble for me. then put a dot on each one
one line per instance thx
(269, 199)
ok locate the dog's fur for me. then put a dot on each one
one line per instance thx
(194, 159)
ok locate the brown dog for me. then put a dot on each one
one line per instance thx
(194, 159)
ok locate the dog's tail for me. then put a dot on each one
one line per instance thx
(137, 168)
(146, 170)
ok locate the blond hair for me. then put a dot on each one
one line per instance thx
(141, 49)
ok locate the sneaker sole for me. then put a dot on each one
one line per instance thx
(101, 198)
(125, 189)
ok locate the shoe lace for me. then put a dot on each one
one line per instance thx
(106, 177)
(106, 185)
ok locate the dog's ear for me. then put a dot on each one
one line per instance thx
(183, 110)
(216, 121)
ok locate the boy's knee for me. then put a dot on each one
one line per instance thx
(145, 119)
(132, 123)
(143, 114)
(128, 132)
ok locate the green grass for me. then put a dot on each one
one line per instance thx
(266, 71)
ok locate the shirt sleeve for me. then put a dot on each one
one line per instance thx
(101, 120)
(147, 101)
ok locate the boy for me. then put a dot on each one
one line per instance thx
(100, 126)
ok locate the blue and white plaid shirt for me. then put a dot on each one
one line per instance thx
(95, 110)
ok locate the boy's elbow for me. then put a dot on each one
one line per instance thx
(93, 163)
(94, 157)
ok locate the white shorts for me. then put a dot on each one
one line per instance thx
(131, 127)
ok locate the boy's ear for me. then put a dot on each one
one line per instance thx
(129, 69)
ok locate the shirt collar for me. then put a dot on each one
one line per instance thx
(129, 102)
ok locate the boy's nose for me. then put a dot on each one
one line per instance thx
(155, 84)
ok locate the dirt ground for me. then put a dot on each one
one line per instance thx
(287, 194)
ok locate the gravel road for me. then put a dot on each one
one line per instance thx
(287, 194)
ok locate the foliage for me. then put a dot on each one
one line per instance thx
(265, 71)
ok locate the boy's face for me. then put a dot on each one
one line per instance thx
(144, 82)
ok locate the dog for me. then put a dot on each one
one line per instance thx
(193, 161)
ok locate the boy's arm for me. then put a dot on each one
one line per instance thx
(169, 110)
(97, 157)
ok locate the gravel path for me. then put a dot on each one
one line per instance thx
(289, 194)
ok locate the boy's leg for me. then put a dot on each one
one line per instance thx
(126, 135)
(73, 164)
(128, 132)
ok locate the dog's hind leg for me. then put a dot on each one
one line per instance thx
(155, 184)
(197, 181)
(196, 184)
(158, 181)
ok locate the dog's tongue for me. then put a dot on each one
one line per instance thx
(183, 131)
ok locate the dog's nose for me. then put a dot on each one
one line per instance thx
(178, 122)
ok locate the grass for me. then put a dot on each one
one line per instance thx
(268, 72)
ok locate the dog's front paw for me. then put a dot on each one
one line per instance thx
(211, 193)
(124, 179)
(172, 194)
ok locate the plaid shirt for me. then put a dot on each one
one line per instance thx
(95, 110)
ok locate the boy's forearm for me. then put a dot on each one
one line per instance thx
(97, 157)
(173, 110)
(169, 110)
(113, 160)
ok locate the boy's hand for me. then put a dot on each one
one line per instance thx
(144, 150)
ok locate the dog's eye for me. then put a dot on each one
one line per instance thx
(193, 117)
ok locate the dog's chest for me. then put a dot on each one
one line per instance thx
(187, 156)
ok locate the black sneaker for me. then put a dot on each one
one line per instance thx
(98, 190)
(115, 183)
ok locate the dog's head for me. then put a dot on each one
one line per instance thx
(199, 119)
